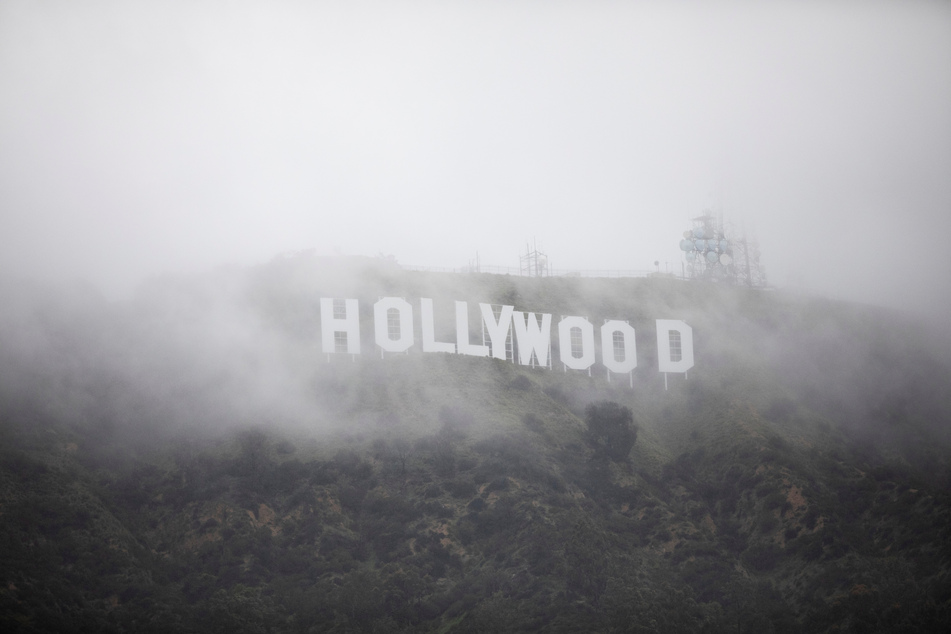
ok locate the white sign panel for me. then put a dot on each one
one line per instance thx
(429, 330)
(462, 333)
(331, 323)
(609, 350)
(584, 335)
(382, 324)
(394, 330)
(674, 346)
(532, 338)
(498, 330)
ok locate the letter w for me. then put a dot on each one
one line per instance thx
(532, 339)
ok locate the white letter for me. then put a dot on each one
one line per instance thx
(429, 332)
(331, 324)
(462, 333)
(586, 360)
(381, 324)
(608, 354)
(498, 332)
(531, 338)
(670, 356)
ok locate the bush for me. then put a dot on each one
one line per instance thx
(533, 422)
(498, 484)
(781, 409)
(767, 522)
(762, 557)
(775, 500)
(455, 421)
(461, 488)
(522, 382)
(611, 431)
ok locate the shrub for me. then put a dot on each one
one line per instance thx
(767, 522)
(611, 431)
(444, 455)
(350, 464)
(532, 422)
(781, 409)
(775, 500)
(498, 484)
(461, 488)
(455, 421)
(762, 557)
(435, 509)
(522, 382)
(812, 515)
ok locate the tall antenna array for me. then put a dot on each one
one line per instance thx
(711, 252)
(534, 263)
(748, 270)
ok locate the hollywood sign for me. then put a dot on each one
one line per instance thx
(394, 330)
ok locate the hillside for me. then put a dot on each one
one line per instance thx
(191, 460)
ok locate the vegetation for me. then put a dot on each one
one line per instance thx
(611, 430)
(186, 461)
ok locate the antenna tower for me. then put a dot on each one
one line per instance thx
(534, 263)
(711, 251)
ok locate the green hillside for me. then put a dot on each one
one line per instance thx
(190, 460)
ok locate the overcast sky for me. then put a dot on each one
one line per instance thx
(139, 137)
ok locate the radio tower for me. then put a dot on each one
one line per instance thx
(711, 252)
(534, 263)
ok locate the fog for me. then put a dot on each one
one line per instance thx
(138, 138)
(181, 446)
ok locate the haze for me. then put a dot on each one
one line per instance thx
(137, 138)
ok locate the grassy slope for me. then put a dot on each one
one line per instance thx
(797, 478)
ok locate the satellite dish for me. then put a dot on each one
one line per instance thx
(686, 245)
(700, 244)
(698, 232)
(691, 256)
(712, 257)
(725, 259)
(688, 234)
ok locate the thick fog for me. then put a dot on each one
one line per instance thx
(137, 138)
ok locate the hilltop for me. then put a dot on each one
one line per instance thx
(191, 460)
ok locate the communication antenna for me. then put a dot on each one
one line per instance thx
(713, 251)
(749, 271)
(534, 263)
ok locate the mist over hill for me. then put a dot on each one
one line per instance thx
(190, 459)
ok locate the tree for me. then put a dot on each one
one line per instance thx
(611, 431)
